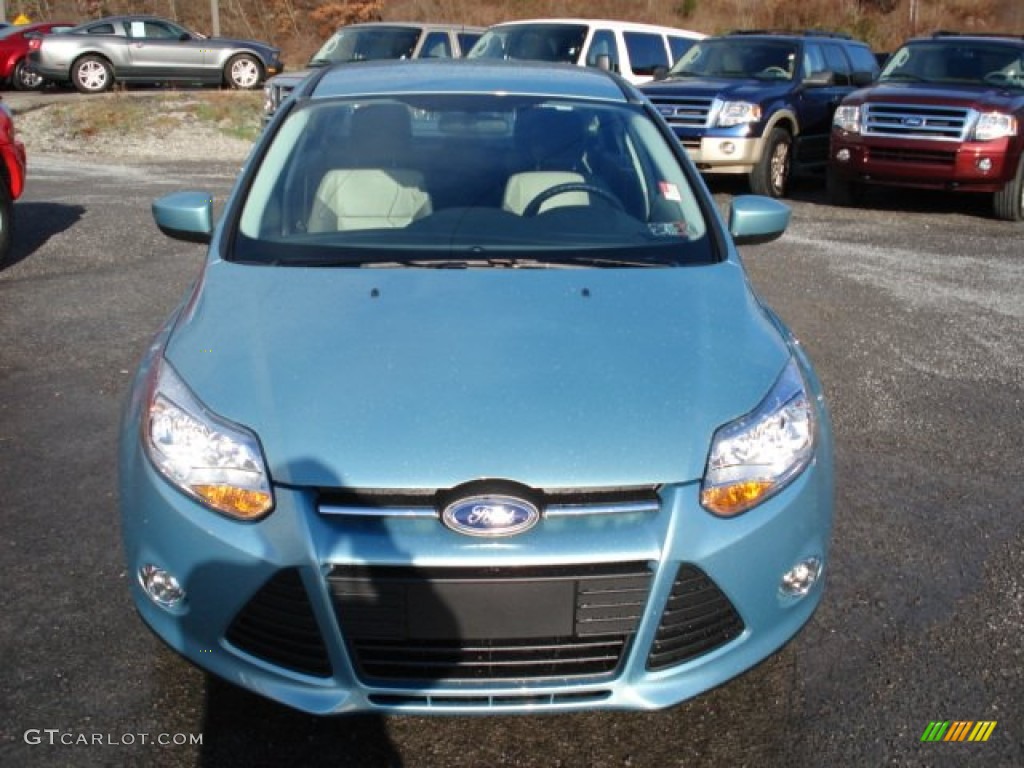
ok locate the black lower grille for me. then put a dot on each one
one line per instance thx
(483, 624)
(278, 626)
(698, 618)
(920, 156)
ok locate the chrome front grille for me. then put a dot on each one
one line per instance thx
(688, 111)
(918, 121)
(428, 503)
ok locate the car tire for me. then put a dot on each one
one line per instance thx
(1008, 202)
(6, 222)
(770, 176)
(243, 72)
(23, 79)
(843, 192)
(92, 74)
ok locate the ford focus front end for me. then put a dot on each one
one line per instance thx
(492, 422)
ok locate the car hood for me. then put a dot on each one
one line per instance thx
(981, 99)
(427, 378)
(228, 42)
(727, 89)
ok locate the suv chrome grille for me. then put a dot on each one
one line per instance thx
(689, 111)
(918, 121)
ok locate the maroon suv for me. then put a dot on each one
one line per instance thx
(947, 112)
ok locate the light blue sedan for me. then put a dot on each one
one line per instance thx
(473, 409)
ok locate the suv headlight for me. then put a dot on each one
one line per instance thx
(756, 456)
(209, 458)
(738, 113)
(995, 125)
(847, 118)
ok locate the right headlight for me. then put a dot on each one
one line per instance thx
(756, 456)
(848, 118)
(211, 459)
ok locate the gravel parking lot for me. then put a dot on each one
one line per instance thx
(912, 311)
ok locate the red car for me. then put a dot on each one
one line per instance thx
(14, 48)
(12, 177)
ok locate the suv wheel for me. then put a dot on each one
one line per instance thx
(843, 192)
(1008, 202)
(771, 174)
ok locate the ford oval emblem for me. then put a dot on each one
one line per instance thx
(913, 122)
(490, 516)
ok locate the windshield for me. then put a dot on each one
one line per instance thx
(533, 42)
(470, 180)
(366, 44)
(957, 62)
(738, 58)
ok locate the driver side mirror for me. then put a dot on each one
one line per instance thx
(660, 72)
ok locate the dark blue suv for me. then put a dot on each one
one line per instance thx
(760, 103)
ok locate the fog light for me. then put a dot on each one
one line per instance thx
(162, 588)
(984, 164)
(843, 155)
(799, 579)
(727, 147)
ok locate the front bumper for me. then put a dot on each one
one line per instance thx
(723, 150)
(971, 166)
(269, 605)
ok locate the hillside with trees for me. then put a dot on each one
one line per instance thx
(299, 26)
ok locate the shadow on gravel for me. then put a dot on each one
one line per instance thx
(242, 729)
(35, 223)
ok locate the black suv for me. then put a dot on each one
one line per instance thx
(760, 103)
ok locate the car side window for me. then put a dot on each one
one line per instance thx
(646, 51)
(467, 40)
(102, 29)
(603, 44)
(814, 60)
(838, 63)
(863, 59)
(679, 46)
(436, 45)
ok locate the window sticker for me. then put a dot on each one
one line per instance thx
(670, 191)
(670, 229)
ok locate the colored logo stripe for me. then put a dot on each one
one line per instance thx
(958, 730)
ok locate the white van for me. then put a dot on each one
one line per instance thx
(633, 50)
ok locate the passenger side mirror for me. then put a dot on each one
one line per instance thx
(860, 79)
(603, 61)
(754, 219)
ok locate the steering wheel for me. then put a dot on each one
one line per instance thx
(775, 72)
(998, 77)
(533, 208)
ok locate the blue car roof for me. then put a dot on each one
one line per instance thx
(454, 76)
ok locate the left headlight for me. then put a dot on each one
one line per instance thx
(995, 125)
(211, 459)
(756, 456)
(738, 113)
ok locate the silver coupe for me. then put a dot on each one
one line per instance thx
(149, 49)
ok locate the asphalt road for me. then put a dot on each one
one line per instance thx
(912, 311)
